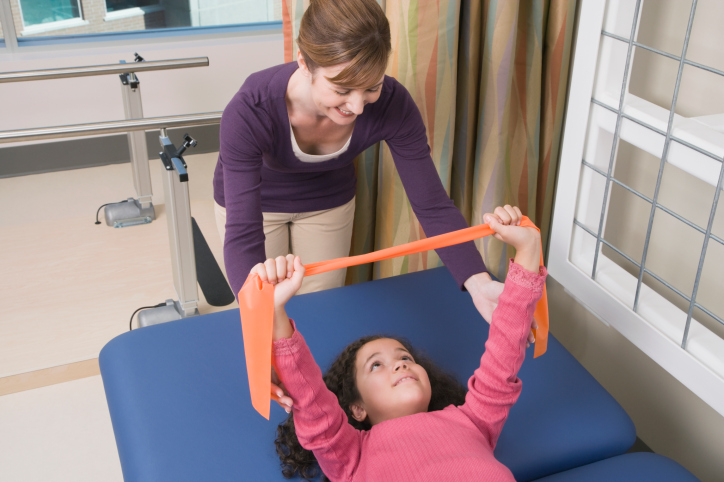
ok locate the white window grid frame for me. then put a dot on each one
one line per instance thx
(697, 359)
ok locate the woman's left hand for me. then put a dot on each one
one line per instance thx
(485, 293)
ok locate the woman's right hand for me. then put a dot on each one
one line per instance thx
(279, 393)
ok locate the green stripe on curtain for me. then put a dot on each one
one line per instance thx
(493, 113)
(424, 60)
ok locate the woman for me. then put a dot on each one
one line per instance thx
(285, 180)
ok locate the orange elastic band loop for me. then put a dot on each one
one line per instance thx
(256, 306)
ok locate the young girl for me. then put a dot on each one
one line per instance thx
(399, 419)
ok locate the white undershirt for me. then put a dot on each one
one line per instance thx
(304, 157)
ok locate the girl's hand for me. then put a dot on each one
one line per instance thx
(285, 273)
(507, 216)
(505, 222)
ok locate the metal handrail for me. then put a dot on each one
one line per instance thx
(112, 127)
(103, 69)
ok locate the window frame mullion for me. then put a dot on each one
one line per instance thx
(9, 33)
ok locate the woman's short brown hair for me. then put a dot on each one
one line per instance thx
(334, 32)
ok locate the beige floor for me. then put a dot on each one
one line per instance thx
(60, 432)
(67, 287)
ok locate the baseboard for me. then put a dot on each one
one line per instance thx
(49, 376)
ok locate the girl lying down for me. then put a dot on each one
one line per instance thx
(384, 413)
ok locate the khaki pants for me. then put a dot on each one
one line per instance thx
(314, 236)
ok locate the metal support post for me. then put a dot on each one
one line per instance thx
(140, 210)
(180, 235)
(9, 32)
(131, 88)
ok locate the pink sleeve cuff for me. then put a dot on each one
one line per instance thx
(527, 279)
(288, 346)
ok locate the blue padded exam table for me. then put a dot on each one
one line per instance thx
(634, 467)
(179, 399)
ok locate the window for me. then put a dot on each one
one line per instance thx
(117, 5)
(38, 15)
(36, 12)
(638, 233)
(35, 18)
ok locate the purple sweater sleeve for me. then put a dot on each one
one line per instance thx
(321, 424)
(432, 205)
(495, 386)
(240, 158)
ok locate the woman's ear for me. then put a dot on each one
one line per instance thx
(302, 64)
(358, 412)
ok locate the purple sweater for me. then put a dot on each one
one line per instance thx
(258, 172)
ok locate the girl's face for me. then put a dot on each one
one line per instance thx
(339, 104)
(390, 383)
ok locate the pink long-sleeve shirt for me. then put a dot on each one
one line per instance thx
(452, 444)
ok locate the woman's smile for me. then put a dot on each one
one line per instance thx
(344, 113)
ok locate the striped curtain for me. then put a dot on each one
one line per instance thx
(512, 79)
(490, 80)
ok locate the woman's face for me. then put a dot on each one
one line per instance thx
(339, 104)
(390, 383)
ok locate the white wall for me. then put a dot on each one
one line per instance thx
(669, 418)
(169, 92)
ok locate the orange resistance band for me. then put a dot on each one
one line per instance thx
(256, 306)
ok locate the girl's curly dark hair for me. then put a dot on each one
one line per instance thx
(340, 380)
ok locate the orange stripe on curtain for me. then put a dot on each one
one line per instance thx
(287, 30)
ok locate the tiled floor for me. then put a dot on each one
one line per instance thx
(67, 287)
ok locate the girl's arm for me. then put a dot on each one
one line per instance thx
(320, 423)
(495, 386)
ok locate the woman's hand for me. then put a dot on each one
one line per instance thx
(281, 396)
(485, 293)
